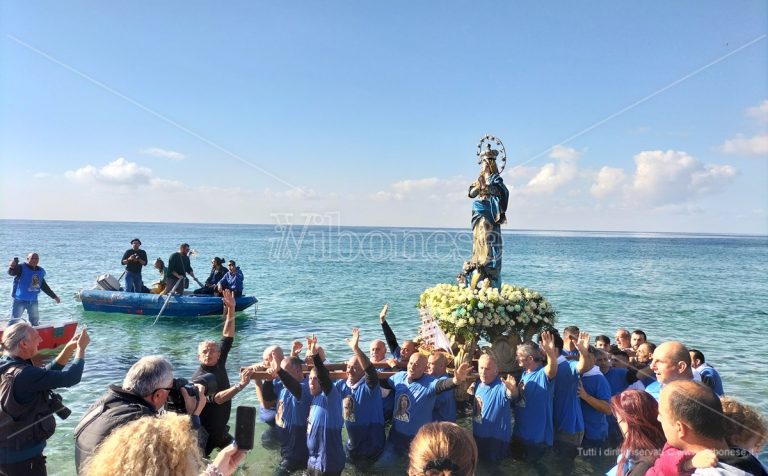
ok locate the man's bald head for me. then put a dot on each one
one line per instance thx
(672, 361)
(417, 364)
(685, 403)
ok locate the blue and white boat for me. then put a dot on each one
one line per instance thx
(142, 304)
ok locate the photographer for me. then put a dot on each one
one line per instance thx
(134, 259)
(28, 281)
(27, 404)
(146, 389)
(213, 359)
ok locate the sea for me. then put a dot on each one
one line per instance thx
(708, 290)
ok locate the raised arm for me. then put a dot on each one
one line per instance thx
(371, 377)
(548, 344)
(228, 298)
(290, 383)
(458, 378)
(322, 374)
(585, 359)
(389, 335)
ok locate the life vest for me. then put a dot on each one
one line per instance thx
(24, 424)
(30, 282)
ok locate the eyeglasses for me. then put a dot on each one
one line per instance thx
(168, 389)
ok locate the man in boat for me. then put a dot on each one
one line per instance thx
(134, 259)
(213, 359)
(28, 281)
(217, 272)
(178, 269)
(232, 279)
(144, 392)
(27, 404)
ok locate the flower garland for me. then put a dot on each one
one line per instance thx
(487, 313)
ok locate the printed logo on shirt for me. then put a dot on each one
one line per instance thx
(477, 412)
(521, 398)
(279, 414)
(348, 406)
(401, 412)
(35, 284)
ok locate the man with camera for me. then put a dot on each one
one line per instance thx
(134, 259)
(147, 386)
(213, 359)
(27, 404)
(28, 281)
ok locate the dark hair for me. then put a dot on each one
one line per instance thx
(640, 333)
(697, 355)
(218, 260)
(604, 339)
(696, 405)
(651, 346)
(232, 262)
(571, 330)
(558, 341)
(618, 351)
(645, 435)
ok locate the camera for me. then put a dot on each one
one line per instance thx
(57, 407)
(176, 399)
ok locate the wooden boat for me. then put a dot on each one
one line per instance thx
(54, 334)
(186, 305)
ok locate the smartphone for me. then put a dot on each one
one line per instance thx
(245, 426)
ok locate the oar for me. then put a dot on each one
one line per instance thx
(167, 300)
(121, 277)
(198, 282)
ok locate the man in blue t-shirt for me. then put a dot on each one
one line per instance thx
(293, 402)
(445, 404)
(326, 452)
(361, 405)
(671, 362)
(533, 431)
(595, 394)
(28, 281)
(709, 376)
(567, 419)
(415, 398)
(492, 414)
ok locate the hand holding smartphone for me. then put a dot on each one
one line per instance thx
(245, 426)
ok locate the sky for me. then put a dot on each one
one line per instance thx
(620, 116)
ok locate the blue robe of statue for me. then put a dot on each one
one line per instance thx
(488, 213)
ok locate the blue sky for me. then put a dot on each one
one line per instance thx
(638, 116)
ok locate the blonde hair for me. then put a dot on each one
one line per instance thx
(149, 446)
(742, 423)
(442, 449)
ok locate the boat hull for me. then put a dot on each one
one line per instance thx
(54, 335)
(142, 304)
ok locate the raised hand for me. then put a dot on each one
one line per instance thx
(510, 383)
(274, 364)
(354, 341)
(383, 313)
(582, 344)
(83, 339)
(296, 348)
(548, 343)
(462, 373)
(311, 345)
(229, 299)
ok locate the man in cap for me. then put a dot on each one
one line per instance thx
(134, 259)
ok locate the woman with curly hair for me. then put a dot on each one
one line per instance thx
(158, 446)
(637, 415)
(442, 449)
(745, 427)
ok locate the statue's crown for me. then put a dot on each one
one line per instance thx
(489, 153)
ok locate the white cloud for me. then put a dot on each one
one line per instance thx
(671, 177)
(118, 172)
(163, 153)
(430, 188)
(740, 145)
(609, 181)
(553, 176)
(295, 193)
(759, 112)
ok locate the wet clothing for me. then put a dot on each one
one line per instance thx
(326, 451)
(363, 415)
(492, 420)
(533, 409)
(445, 405)
(293, 402)
(215, 416)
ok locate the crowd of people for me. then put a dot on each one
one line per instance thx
(661, 408)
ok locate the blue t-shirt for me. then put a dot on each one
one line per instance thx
(595, 422)
(363, 418)
(567, 417)
(533, 409)
(492, 420)
(654, 389)
(291, 420)
(29, 283)
(617, 380)
(445, 405)
(414, 403)
(326, 451)
(711, 378)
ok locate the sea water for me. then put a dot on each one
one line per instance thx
(710, 291)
